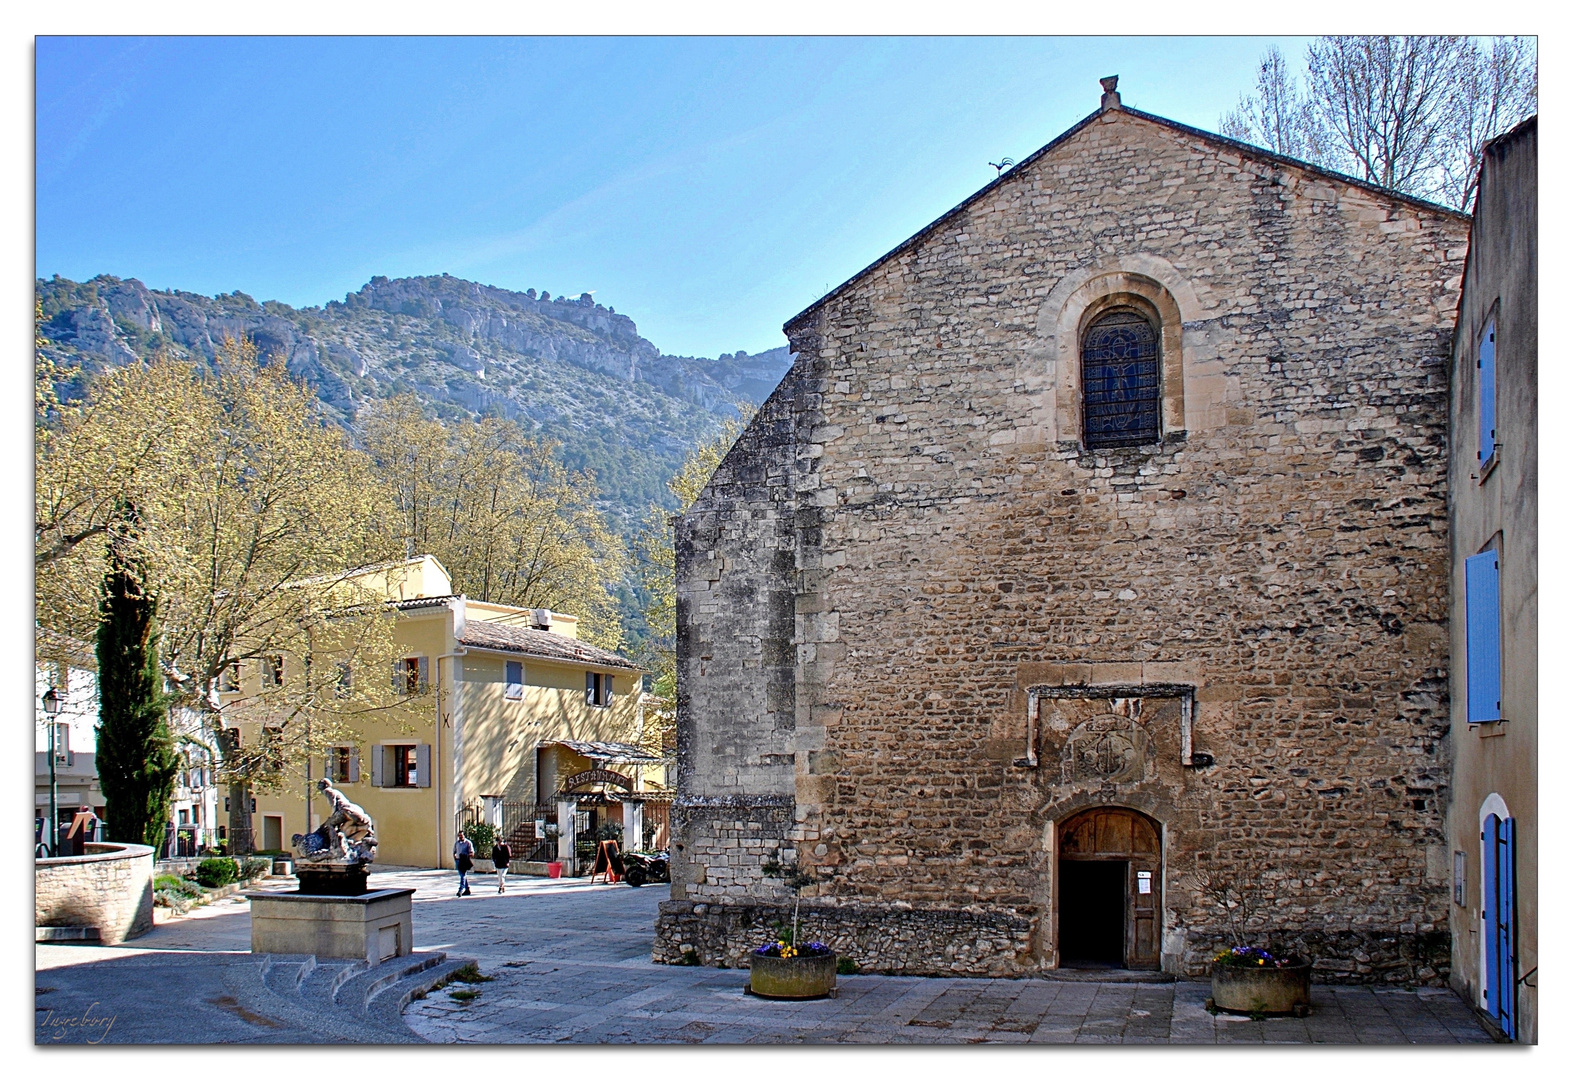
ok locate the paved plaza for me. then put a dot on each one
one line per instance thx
(569, 962)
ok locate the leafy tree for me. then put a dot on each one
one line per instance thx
(248, 539)
(136, 757)
(258, 564)
(498, 508)
(128, 442)
(1408, 113)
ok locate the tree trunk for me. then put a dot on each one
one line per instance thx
(136, 756)
(238, 840)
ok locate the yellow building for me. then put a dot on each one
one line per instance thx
(512, 721)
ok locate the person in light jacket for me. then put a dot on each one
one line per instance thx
(502, 855)
(463, 860)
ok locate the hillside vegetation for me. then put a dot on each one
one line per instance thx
(568, 370)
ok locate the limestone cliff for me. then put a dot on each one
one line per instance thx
(569, 369)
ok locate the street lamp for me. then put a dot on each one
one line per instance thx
(51, 710)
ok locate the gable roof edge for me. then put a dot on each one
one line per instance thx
(1244, 148)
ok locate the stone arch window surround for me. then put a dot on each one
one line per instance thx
(1122, 306)
(1194, 387)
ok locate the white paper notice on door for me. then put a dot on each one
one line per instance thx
(1144, 881)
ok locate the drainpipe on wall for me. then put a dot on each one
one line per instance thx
(436, 749)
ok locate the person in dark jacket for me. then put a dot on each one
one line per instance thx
(502, 855)
(463, 860)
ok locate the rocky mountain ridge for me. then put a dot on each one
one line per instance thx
(568, 369)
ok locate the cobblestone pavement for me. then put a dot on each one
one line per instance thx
(570, 962)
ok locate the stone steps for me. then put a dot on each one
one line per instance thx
(350, 998)
(386, 1008)
(357, 992)
(67, 935)
(1104, 975)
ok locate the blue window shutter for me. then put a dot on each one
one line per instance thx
(1488, 392)
(1483, 637)
(1507, 928)
(1488, 911)
(515, 677)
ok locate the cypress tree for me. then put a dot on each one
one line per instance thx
(136, 759)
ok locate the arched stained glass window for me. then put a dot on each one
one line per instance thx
(1119, 381)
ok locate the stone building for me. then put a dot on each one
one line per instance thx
(1089, 568)
(1494, 494)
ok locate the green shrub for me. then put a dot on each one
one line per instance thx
(483, 836)
(177, 886)
(171, 899)
(255, 868)
(845, 965)
(213, 873)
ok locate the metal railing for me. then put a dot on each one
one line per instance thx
(529, 828)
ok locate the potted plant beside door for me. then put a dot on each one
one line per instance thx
(786, 968)
(1247, 978)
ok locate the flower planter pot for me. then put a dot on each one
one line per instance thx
(1265, 990)
(792, 978)
(554, 869)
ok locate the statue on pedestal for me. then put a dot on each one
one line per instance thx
(335, 855)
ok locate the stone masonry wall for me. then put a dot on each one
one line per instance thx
(917, 491)
(111, 887)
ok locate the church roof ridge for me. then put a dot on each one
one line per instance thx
(1245, 148)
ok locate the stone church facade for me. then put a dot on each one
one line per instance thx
(1087, 574)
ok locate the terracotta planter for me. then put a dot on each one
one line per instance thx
(792, 978)
(1265, 990)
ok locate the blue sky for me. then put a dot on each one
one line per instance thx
(710, 188)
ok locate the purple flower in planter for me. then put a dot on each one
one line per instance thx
(1252, 956)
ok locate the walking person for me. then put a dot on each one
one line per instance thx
(463, 860)
(502, 855)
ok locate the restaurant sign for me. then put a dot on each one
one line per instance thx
(596, 776)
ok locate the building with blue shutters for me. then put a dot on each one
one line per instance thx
(1493, 484)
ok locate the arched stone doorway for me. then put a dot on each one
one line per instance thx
(1109, 889)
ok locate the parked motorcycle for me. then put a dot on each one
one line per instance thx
(643, 867)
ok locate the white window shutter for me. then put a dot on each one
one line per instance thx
(354, 766)
(425, 672)
(423, 765)
(377, 756)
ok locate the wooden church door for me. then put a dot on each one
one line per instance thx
(1110, 884)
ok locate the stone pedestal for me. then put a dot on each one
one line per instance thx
(374, 926)
(332, 880)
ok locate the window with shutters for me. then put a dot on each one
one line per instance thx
(229, 678)
(345, 683)
(597, 689)
(1482, 638)
(515, 677)
(409, 675)
(342, 765)
(273, 747)
(1120, 384)
(405, 771)
(1486, 368)
(272, 671)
